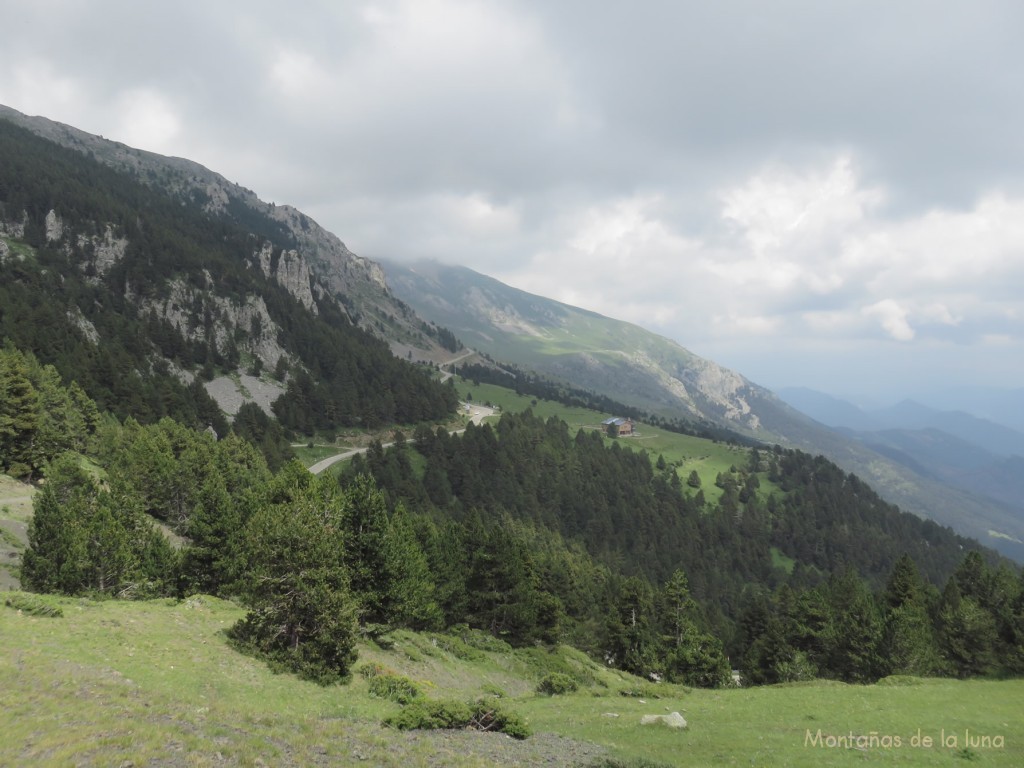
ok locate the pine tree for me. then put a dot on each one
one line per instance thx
(19, 414)
(632, 642)
(854, 631)
(86, 539)
(302, 616)
(692, 657)
(967, 633)
(908, 641)
(57, 556)
(415, 605)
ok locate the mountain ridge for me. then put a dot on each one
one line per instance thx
(637, 367)
(356, 283)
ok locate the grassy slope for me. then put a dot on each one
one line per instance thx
(156, 683)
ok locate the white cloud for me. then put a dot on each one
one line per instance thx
(36, 87)
(892, 317)
(620, 258)
(146, 118)
(779, 209)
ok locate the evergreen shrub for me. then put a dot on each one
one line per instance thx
(556, 684)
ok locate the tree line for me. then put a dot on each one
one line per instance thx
(647, 530)
(522, 531)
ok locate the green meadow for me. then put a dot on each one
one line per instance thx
(156, 683)
(684, 452)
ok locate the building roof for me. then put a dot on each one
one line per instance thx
(617, 421)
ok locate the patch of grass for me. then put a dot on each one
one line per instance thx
(563, 662)
(15, 499)
(641, 690)
(33, 605)
(780, 560)
(468, 644)
(310, 455)
(8, 538)
(19, 249)
(156, 683)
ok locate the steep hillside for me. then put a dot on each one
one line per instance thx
(634, 366)
(619, 359)
(145, 278)
(314, 261)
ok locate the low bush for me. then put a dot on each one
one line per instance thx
(372, 669)
(433, 715)
(32, 605)
(494, 691)
(394, 688)
(387, 684)
(430, 715)
(556, 684)
(488, 717)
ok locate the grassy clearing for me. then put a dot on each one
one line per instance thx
(156, 683)
(508, 400)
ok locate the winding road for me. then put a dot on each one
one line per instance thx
(477, 413)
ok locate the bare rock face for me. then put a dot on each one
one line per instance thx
(252, 317)
(231, 393)
(291, 272)
(54, 227)
(15, 229)
(84, 325)
(102, 252)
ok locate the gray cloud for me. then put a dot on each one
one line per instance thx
(839, 183)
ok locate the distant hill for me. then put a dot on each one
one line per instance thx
(997, 438)
(1003, 405)
(616, 358)
(830, 411)
(953, 448)
(909, 414)
(637, 367)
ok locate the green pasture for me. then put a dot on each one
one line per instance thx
(684, 452)
(155, 683)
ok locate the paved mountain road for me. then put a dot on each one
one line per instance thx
(477, 413)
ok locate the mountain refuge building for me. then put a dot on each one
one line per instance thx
(619, 427)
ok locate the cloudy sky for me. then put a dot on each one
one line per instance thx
(828, 194)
